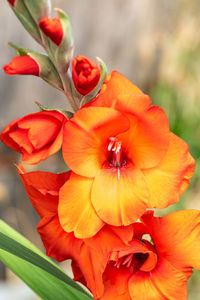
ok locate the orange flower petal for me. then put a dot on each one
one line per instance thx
(38, 125)
(164, 282)
(20, 137)
(147, 140)
(59, 244)
(7, 139)
(42, 189)
(92, 264)
(177, 238)
(44, 153)
(96, 252)
(116, 284)
(168, 180)
(119, 195)
(75, 210)
(86, 135)
(133, 104)
(114, 85)
(110, 238)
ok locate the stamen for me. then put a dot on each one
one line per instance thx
(116, 155)
(127, 261)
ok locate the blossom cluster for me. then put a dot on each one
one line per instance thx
(124, 162)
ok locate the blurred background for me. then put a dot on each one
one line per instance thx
(155, 44)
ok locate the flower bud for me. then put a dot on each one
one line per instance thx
(36, 136)
(59, 31)
(85, 74)
(33, 63)
(22, 65)
(52, 28)
(12, 2)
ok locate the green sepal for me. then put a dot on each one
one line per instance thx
(47, 70)
(38, 8)
(87, 98)
(64, 51)
(26, 19)
(67, 114)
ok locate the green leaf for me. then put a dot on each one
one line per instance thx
(36, 269)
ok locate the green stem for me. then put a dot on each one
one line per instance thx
(63, 76)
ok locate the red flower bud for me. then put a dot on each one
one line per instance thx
(52, 28)
(85, 74)
(36, 136)
(22, 65)
(12, 2)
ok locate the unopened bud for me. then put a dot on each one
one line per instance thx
(85, 74)
(52, 28)
(34, 63)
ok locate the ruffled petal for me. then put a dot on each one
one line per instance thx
(86, 137)
(20, 137)
(119, 195)
(167, 181)
(116, 284)
(75, 210)
(42, 189)
(91, 264)
(42, 129)
(177, 238)
(44, 153)
(59, 244)
(147, 140)
(132, 104)
(115, 84)
(169, 280)
(163, 283)
(110, 238)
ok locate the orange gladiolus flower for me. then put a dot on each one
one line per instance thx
(43, 191)
(52, 27)
(150, 270)
(123, 159)
(85, 74)
(22, 65)
(151, 259)
(35, 136)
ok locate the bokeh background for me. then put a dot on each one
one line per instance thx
(156, 44)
